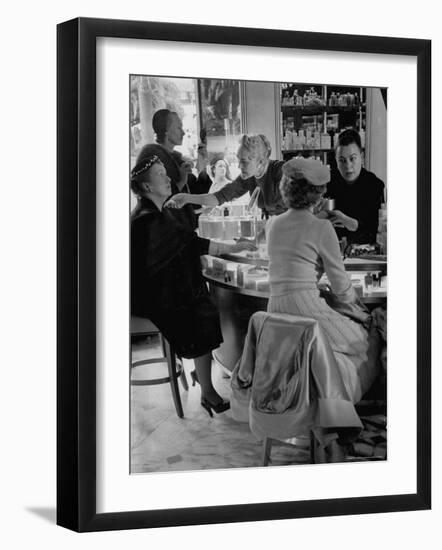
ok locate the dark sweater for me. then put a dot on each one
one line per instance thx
(167, 285)
(269, 200)
(360, 200)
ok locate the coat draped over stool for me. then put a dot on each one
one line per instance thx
(288, 381)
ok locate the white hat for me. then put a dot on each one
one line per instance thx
(310, 169)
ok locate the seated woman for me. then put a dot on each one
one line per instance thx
(300, 247)
(219, 170)
(167, 284)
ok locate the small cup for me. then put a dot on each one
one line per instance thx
(329, 205)
(358, 289)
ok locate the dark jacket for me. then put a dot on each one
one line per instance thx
(167, 285)
(269, 200)
(171, 161)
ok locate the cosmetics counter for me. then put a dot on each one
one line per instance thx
(239, 282)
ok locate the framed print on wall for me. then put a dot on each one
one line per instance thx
(130, 455)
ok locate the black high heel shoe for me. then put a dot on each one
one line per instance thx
(219, 408)
(194, 377)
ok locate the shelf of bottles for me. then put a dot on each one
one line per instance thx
(312, 115)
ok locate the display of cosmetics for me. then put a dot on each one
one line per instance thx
(332, 122)
(309, 98)
(381, 237)
(313, 122)
(226, 228)
(256, 279)
(211, 227)
(298, 140)
(231, 228)
(348, 99)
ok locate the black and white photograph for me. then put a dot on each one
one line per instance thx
(220, 266)
(246, 337)
(258, 273)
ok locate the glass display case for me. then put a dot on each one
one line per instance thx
(239, 285)
(247, 273)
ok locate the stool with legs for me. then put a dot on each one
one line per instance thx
(144, 327)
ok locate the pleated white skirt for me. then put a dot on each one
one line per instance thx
(356, 350)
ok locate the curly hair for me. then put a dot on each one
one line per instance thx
(299, 193)
(257, 144)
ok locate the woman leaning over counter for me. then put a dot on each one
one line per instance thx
(167, 285)
(257, 170)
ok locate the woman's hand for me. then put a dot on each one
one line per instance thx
(339, 219)
(319, 209)
(220, 249)
(177, 201)
(242, 245)
(322, 215)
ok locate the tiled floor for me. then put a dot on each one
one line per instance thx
(160, 441)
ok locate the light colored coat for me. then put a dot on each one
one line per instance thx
(288, 382)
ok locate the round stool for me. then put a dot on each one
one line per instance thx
(140, 326)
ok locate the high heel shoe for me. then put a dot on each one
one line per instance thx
(219, 408)
(194, 377)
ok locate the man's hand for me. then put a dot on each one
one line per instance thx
(177, 201)
(339, 219)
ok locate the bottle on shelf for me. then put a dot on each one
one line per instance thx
(316, 140)
(381, 237)
(325, 141)
(287, 140)
(301, 139)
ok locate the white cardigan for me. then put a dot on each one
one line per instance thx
(300, 248)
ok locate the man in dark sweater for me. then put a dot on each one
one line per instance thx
(358, 193)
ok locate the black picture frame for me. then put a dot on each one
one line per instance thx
(76, 274)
